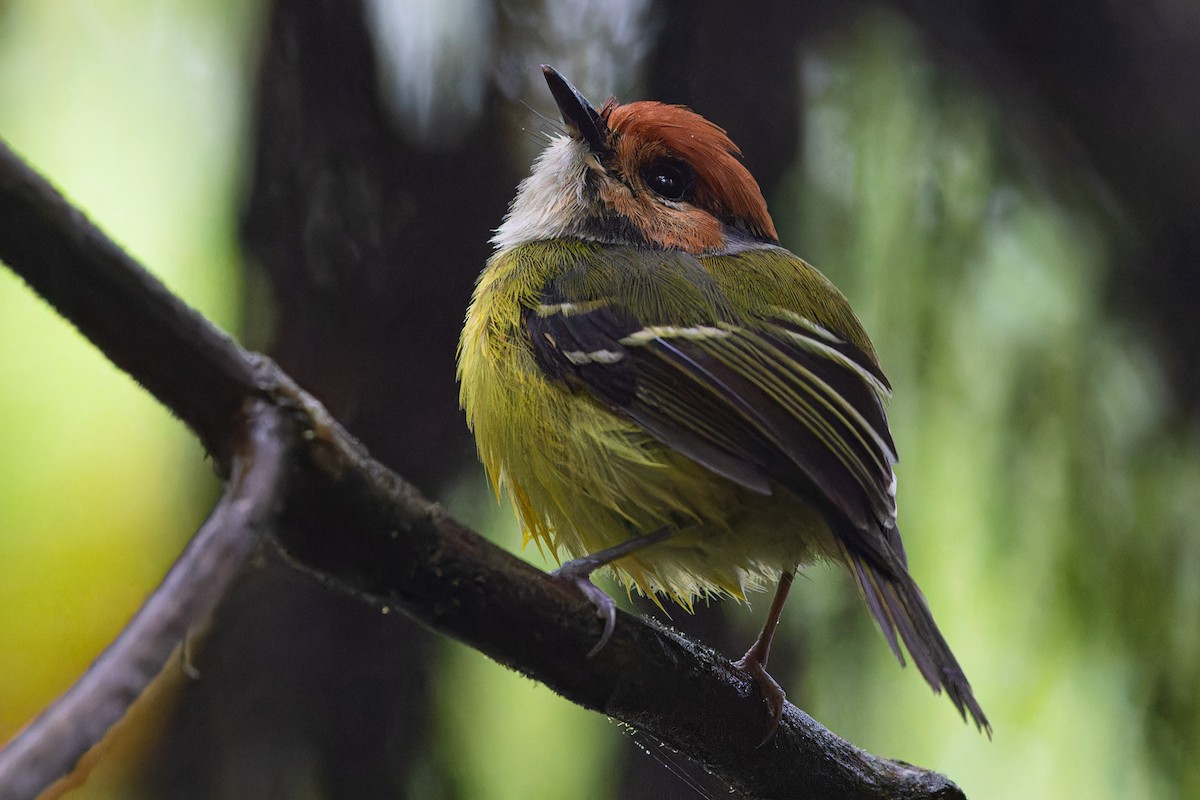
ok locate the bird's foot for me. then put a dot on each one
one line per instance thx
(578, 574)
(772, 692)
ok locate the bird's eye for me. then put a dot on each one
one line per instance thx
(671, 180)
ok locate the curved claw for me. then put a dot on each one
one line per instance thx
(772, 692)
(578, 572)
(606, 608)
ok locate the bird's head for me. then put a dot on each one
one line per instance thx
(643, 173)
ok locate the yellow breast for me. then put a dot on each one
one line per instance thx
(582, 478)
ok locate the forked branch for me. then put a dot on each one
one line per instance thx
(58, 738)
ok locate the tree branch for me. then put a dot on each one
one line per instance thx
(193, 368)
(51, 745)
(360, 528)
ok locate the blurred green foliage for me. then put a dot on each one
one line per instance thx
(1025, 417)
(1048, 490)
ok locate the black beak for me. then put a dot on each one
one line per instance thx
(577, 112)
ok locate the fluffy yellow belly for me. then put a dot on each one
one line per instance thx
(582, 479)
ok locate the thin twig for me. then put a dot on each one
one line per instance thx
(51, 745)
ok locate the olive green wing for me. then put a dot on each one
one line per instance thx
(754, 397)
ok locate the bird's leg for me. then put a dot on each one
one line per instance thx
(579, 571)
(755, 660)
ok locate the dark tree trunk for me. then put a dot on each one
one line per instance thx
(369, 247)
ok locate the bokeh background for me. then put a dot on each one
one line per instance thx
(1009, 193)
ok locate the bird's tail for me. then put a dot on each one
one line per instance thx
(898, 605)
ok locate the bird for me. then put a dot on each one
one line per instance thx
(661, 388)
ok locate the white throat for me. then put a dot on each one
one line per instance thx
(550, 203)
